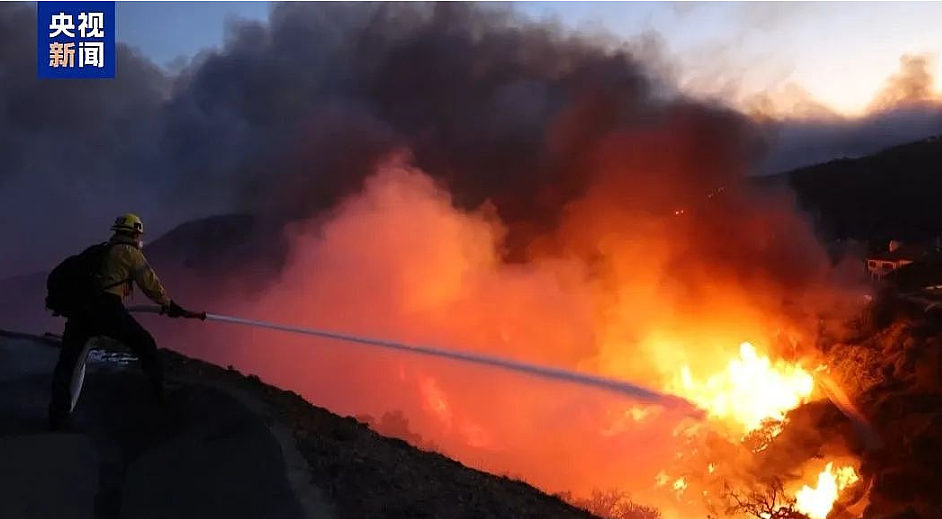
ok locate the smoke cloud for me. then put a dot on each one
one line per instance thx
(913, 84)
(804, 132)
(293, 114)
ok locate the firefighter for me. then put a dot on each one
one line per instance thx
(122, 266)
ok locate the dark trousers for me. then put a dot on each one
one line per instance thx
(105, 316)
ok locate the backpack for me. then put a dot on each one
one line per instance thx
(73, 283)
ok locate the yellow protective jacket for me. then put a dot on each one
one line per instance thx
(125, 265)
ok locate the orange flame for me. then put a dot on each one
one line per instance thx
(751, 391)
(818, 501)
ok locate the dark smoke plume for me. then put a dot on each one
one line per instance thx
(495, 109)
(293, 114)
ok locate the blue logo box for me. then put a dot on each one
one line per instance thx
(75, 40)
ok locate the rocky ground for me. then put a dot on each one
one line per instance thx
(891, 364)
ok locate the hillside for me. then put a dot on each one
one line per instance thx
(893, 194)
(224, 445)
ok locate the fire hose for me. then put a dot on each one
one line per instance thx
(863, 428)
(547, 372)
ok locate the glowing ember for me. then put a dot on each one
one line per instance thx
(661, 479)
(751, 390)
(817, 502)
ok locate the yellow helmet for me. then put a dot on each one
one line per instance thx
(128, 223)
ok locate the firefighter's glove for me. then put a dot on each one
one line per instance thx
(174, 310)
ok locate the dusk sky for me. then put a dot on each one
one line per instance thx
(838, 53)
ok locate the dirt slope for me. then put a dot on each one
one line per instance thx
(365, 475)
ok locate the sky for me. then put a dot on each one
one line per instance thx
(839, 53)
